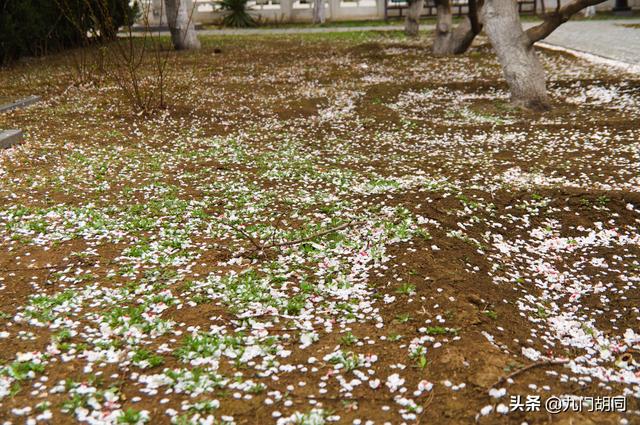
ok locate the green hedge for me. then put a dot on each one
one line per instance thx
(37, 27)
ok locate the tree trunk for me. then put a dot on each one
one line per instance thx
(318, 12)
(412, 22)
(183, 32)
(448, 40)
(520, 65)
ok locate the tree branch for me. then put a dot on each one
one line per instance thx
(259, 247)
(476, 26)
(315, 235)
(555, 19)
(256, 243)
(529, 367)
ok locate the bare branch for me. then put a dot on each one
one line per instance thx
(259, 247)
(315, 235)
(256, 243)
(529, 367)
(557, 18)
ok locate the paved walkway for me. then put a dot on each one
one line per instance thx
(609, 39)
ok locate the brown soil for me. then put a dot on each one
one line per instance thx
(255, 82)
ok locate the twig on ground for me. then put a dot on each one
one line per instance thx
(28, 269)
(259, 247)
(424, 407)
(315, 235)
(251, 239)
(529, 367)
(122, 378)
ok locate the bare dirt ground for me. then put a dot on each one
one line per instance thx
(332, 228)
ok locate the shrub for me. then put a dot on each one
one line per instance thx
(236, 14)
(37, 27)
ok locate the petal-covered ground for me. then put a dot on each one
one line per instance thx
(334, 228)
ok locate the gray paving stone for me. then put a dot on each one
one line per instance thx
(20, 103)
(9, 138)
(609, 39)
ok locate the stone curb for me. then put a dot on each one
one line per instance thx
(590, 57)
(21, 103)
(9, 138)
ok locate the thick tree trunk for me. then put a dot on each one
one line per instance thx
(520, 65)
(318, 12)
(412, 22)
(183, 32)
(444, 26)
(448, 40)
(454, 41)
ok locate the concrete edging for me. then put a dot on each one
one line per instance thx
(8, 138)
(20, 103)
(590, 57)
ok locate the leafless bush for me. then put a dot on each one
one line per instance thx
(135, 59)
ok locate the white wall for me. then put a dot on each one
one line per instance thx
(208, 11)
